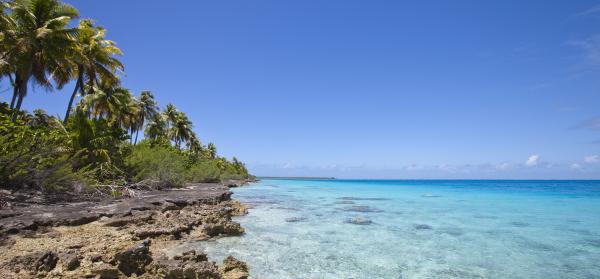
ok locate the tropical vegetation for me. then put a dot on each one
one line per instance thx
(98, 142)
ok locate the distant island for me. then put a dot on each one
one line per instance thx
(297, 177)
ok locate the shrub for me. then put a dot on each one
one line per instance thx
(35, 156)
(204, 171)
(161, 163)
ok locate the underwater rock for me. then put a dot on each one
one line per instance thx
(423, 227)
(345, 202)
(450, 231)
(363, 199)
(359, 221)
(362, 208)
(430, 196)
(519, 224)
(295, 219)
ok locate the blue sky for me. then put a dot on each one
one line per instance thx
(373, 89)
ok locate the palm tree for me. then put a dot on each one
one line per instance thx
(181, 131)
(212, 150)
(147, 109)
(93, 58)
(156, 128)
(170, 114)
(38, 40)
(115, 104)
(194, 144)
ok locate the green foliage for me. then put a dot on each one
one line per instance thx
(100, 147)
(159, 162)
(40, 46)
(204, 171)
(35, 156)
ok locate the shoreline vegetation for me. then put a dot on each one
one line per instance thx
(102, 192)
(97, 144)
(296, 177)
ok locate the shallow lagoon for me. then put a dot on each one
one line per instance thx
(417, 229)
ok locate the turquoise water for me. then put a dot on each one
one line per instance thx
(419, 229)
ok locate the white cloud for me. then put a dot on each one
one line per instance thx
(503, 166)
(575, 166)
(590, 11)
(591, 159)
(533, 160)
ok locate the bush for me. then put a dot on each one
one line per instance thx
(205, 171)
(161, 163)
(35, 156)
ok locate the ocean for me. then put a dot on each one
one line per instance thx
(416, 229)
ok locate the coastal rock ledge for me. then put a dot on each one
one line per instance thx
(120, 238)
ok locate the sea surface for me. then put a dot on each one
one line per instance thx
(419, 229)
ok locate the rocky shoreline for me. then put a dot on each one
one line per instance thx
(125, 238)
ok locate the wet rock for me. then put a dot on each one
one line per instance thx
(423, 227)
(359, 221)
(295, 219)
(228, 228)
(106, 271)
(236, 208)
(233, 268)
(134, 260)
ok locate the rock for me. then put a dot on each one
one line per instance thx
(106, 271)
(237, 208)
(423, 227)
(134, 260)
(295, 219)
(362, 208)
(233, 268)
(233, 228)
(189, 265)
(359, 221)
(344, 202)
(46, 261)
(95, 257)
(70, 261)
(229, 228)
(192, 256)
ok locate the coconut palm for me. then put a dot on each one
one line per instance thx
(147, 109)
(156, 128)
(114, 104)
(170, 114)
(194, 144)
(37, 40)
(212, 150)
(93, 58)
(181, 129)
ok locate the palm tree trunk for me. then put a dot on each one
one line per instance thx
(22, 93)
(136, 137)
(15, 85)
(71, 100)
